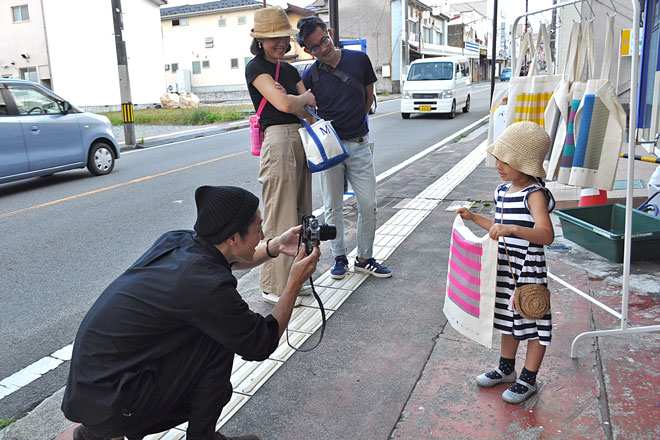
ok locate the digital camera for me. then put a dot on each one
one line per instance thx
(313, 232)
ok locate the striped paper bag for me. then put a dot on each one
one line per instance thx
(471, 277)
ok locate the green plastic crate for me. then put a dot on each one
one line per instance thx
(601, 229)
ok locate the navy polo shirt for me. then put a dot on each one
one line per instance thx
(340, 103)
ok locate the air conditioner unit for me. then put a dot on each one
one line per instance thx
(167, 67)
(172, 88)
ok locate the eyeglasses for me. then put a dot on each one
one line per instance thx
(325, 41)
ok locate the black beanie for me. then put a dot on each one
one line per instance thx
(222, 211)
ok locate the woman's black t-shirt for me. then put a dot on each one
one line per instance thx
(289, 77)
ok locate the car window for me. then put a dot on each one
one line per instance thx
(3, 106)
(31, 101)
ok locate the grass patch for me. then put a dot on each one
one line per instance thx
(5, 422)
(182, 116)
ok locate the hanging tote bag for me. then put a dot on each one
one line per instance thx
(498, 110)
(557, 112)
(471, 277)
(584, 68)
(256, 133)
(600, 124)
(529, 95)
(323, 147)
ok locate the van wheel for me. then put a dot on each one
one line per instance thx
(405, 115)
(467, 105)
(101, 159)
(452, 113)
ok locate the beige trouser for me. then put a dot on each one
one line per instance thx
(286, 194)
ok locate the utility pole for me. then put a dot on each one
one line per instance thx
(494, 54)
(124, 82)
(333, 10)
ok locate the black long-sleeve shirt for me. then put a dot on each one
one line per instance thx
(180, 289)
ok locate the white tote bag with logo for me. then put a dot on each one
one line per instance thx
(323, 148)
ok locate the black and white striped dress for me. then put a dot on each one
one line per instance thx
(527, 261)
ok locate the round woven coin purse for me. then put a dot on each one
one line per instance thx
(532, 301)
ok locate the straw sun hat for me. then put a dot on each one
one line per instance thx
(272, 22)
(523, 146)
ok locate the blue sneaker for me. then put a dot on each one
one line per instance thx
(373, 268)
(338, 271)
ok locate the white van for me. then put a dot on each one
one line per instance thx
(437, 85)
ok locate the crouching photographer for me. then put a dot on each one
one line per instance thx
(156, 348)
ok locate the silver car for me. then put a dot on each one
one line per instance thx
(41, 134)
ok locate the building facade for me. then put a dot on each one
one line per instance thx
(69, 46)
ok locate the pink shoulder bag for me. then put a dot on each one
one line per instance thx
(256, 133)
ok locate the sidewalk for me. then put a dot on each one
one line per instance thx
(390, 367)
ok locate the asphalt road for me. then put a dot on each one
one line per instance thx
(66, 236)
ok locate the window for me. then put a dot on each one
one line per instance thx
(33, 102)
(29, 73)
(222, 22)
(234, 63)
(3, 106)
(175, 67)
(208, 42)
(242, 19)
(247, 60)
(206, 64)
(20, 13)
(196, 67)
(180, 22)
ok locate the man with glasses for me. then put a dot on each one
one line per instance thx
(342, 82)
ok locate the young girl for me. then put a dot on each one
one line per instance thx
(522, 219)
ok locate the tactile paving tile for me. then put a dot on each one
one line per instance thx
(283, 351)
(252, 375)
(385, 240)
(172, 434)
(331, 298)
(350, 282)
(307, 319)
(423, 204)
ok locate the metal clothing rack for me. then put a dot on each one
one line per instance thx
(634, 73)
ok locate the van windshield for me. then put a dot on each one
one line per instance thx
(431, 71)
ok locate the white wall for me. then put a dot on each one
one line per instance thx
(22, 37)
(185, 44)
(83, 55)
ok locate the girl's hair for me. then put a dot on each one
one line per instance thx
(540, 180)
(257, 49)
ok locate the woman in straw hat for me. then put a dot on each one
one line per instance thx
(283, 171)
(522, 216)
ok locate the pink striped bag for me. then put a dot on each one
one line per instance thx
(471, 277)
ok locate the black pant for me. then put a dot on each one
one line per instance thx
(190, 385)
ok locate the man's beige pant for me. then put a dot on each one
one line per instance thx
(286, 194)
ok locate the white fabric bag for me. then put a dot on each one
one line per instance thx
(471, 281)
(323, 147)
(529, 95)
(600, 125)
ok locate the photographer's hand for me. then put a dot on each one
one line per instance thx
(288, 242)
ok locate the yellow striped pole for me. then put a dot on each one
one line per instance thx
(642, 158)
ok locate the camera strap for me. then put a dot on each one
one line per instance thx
(318, 300)
(320, 303)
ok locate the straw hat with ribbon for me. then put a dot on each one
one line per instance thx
(523, 146)
(272, 22)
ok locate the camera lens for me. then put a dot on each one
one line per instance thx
(327, 232)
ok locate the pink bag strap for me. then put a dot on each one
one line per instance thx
(264, 100)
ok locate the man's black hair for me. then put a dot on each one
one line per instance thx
(307, 26)
(257, 49)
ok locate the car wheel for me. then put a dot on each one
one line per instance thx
(452, 113)
(374, 105)
(405, 115)
(467, 105)
(101, 159)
